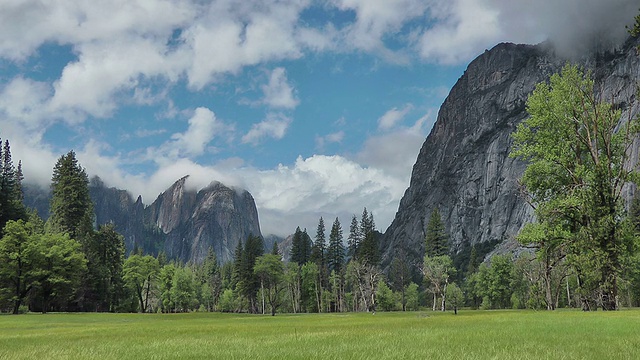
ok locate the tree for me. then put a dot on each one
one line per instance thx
(318, 251)
(61, 264)
(412, 297)
(494, 282)
(248, 283)
(385, 296)
(368, 251)
(71, 207)
(300, 247)
(436, 239)
(455, 298)
(579, 161)
(336, 248)
(270, 271)
(183, 290)
(11, 207)
(105, 254)
(436, 271)
(355, 237)
(18, 262)
(140, 273)
(400, 277)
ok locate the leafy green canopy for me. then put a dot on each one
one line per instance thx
(578, 152)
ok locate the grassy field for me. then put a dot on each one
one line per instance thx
(469, 335)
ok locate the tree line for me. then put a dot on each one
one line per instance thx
(582, 246)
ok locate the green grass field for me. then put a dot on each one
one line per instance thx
(412, 335)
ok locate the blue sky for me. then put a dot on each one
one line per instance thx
(318, 108)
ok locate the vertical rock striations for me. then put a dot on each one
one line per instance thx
(463, 167)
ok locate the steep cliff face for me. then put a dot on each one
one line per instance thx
(182, 222)
(463, 167)
(192, 222)
(117, 207)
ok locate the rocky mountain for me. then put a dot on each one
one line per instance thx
(216, 216)
(182, 222)
(463, 167)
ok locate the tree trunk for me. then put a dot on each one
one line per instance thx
(444, 294)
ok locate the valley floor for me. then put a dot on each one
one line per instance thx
(411, 335)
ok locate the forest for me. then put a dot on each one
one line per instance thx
(582, 250)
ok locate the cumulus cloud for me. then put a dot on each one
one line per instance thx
(278, 93)
(203, 127)
(274, 126)
(322, 185)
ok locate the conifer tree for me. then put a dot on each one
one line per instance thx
(436, 239)
(11, 206)
(354, 238)
(368, 249)
(336, 248)
(319, 249)
(71, 207)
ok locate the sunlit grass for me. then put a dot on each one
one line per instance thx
(469, 335)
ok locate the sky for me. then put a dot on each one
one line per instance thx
(316, 107)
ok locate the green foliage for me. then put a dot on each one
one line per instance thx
(368, 251)
(336, 248)
(412, 297)
(494, 283)
(437, 270)
(183, 289)
(300, 247)
(140, 274)
(436, 238)
(319, 249)
(354, 239)
(11, 207)
(71, 208)
(578, 157)
(270, 271)
(385, 297)
(455, 298)
(46, 266)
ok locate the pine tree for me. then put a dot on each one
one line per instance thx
(336, 248)
(300, 247)
(368, 249)
(319, 249)
(436, 239)
(71, 207)
(11, 206)
(354, 239)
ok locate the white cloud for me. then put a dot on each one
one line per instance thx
(321, 185)
(203, 127)
(274, 126)
(395, 152)
(393, 116)
(335, 137)
(278, 93)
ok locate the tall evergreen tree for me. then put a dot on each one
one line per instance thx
(336, 248)
(71, 207)
(319, 249)
(436, 239)
(353, 242)
(300, 247)
(11, 206)
(249, 283)
(106, 259)
(369, 253)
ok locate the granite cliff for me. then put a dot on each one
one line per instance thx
(463, 167)
(183, 222)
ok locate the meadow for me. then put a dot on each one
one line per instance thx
(396, 335)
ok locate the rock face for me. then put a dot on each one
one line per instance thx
(182, 222)
(216, 216)
(463, 168)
